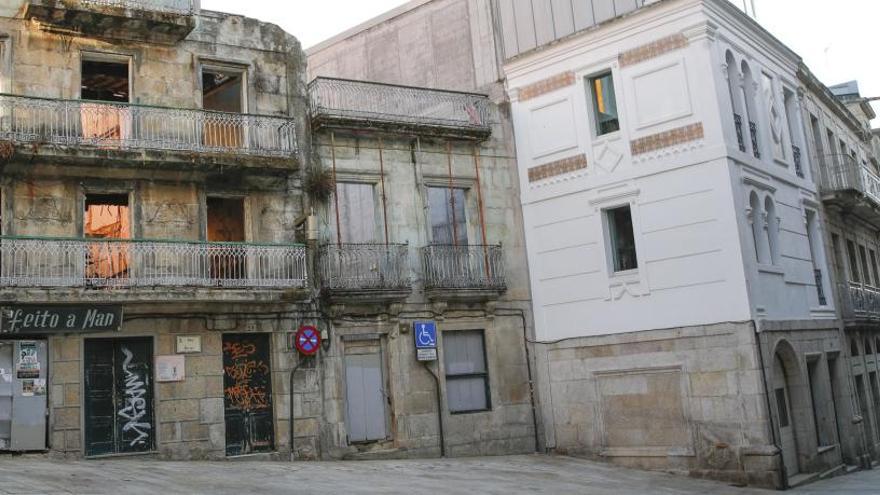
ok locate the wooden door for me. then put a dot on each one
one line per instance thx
(247, 386)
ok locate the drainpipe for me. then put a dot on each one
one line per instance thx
(522, 316)
(439, 409)
(291, 418)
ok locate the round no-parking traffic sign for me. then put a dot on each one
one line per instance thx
(307, 340)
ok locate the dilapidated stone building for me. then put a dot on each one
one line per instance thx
(176, 202)
(150, 174)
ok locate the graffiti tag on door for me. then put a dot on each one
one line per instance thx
(245, 393)
(135, 403)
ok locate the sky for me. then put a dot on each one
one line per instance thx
(832, 37)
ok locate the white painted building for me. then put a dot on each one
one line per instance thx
(674, 240)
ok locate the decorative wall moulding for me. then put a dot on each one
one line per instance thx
(652, 50)
(559, 167)
(667, 139)
(545, 86)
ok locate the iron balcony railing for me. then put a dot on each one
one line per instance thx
(464, 267)
(844, 173)
(364, 267)
(753, 132)
(862, 301)
(740, 139)
(186, 7)
(820, 287)
(383, 104)
(796, 156)
(116, 263)
(139, 127)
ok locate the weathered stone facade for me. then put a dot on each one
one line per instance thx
(156, 154)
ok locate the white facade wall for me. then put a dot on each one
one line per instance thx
(689, 196)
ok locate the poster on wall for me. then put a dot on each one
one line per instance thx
(170, 368)
(28, 362)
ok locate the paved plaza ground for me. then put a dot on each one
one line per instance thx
(486, 475)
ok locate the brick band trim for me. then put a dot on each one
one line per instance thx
(559, 167)
(545, 86)
(653, 49)
(666, 139)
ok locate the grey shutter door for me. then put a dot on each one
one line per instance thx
(365, 397)
(463, 354)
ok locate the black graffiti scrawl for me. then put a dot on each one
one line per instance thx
(119, 396)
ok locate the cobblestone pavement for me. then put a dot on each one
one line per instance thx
(485, 475)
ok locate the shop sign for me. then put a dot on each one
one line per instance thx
(39, 319)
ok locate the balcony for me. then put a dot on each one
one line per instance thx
(154, 21)
(850, 185)
(861, 302)
(343, 103)
(102, 265)
(464, 272)
(367, 272)
(126, 129)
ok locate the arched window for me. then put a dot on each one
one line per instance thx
(756, 219)
(748, 92)
(772, 225)
(732, 76)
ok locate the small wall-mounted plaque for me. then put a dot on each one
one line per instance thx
(189, 344)
(170, 368)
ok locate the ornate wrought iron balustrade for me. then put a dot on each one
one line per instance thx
(796, 156)
(371, 267)
(820, 287)
(345, 100)
(139, 127)
(863, 301)
(464, 267)
(844, 173)
(115, 263)
(753, 132)
(186, 7)
(740, 139)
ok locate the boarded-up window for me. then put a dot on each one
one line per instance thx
(357, 213)
(365, 397)
(447, 215)
(467, 378)
(225, 223)
(107, 216)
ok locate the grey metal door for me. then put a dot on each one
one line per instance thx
(365, 397)
(29, 404)
(6, 349)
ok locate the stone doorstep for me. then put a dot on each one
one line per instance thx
(375, 455)
(801, 479)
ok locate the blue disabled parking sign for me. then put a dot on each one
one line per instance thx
(426, 334)
(425, 337)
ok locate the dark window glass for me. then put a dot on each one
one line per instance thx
(782, 406)
(623, 244)
(604, 104)
(853, 263)
(467, 378)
